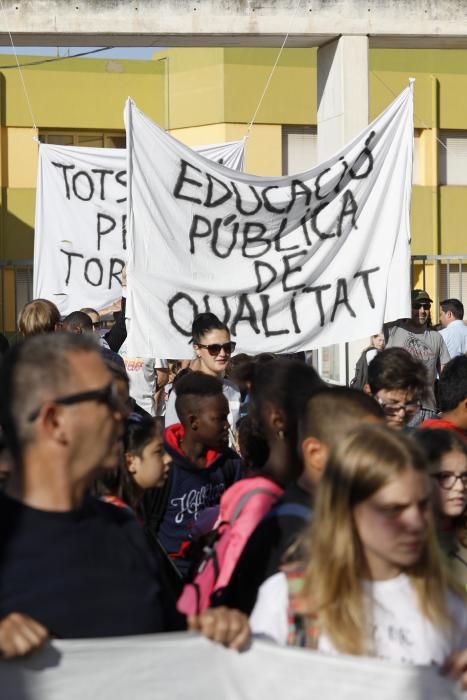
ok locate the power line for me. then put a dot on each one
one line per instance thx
(57, 58)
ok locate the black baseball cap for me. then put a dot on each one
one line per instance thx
(420, 295)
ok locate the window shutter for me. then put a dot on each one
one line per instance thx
(453, 158)
(453, 282)
(299, 149)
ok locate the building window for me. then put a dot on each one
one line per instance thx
(453, 157)
(23, 287)
(453, 280)
(299, 149)
(329, 363)
(88, 139)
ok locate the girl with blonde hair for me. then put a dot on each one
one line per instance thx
(38, 316)
(372, 580)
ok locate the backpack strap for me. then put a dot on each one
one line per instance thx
(303, 628)
(246, 497)
(289, 510)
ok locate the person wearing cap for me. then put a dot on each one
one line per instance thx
(416, 335)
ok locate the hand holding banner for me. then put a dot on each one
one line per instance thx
(149, 667)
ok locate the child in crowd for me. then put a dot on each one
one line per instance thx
(452, 398)
(446, 453)
(38, 316)
(145, 465)
(397, 381)
(326, 419)
(203, 467)
(273, 418)
(372, 580)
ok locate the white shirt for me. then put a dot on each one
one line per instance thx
(455, 337)
(143, 378)
(400, 632)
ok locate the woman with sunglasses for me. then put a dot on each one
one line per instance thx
(372, 581)
(446, 453)
(213, 348)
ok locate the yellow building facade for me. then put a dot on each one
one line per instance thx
(210, 95)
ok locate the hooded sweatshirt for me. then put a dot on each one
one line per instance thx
(191, 492)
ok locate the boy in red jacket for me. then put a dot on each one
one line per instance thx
(203, 467)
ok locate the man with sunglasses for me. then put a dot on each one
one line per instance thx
(72, 566)
(425, 344)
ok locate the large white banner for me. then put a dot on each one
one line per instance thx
(183, 667)
(290, 263)
(80, 243)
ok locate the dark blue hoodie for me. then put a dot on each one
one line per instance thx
(190, 492)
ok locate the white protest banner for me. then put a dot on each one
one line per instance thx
(80, 244)
(180, 666)
(290, 263)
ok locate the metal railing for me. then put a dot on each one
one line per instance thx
(444, 276)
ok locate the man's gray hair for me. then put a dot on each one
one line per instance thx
(31, 373)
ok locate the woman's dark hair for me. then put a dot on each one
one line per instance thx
(139, 432)
(203, 323)
(287, 384)
(183, 372)
(254, 449)
(436, 442)
(240, 368)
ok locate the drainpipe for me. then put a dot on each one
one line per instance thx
(436, 199)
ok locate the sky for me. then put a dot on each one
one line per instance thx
(130, 52)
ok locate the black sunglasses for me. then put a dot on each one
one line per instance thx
(422, 305)
(215, 348)
(107, 395)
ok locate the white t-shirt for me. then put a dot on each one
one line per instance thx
(230, 392)
(143, 378)
(399, 630)
(455, 337)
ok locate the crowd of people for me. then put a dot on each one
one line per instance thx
(235, 495)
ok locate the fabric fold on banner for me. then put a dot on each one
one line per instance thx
(181, 667)
(80, 242)
(289, 263)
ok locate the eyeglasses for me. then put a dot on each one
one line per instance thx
(417, 306)
(447, 479)
(215, 348)
(390, 409)
(107, 395)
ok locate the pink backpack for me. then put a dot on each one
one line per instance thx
(242, 506)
